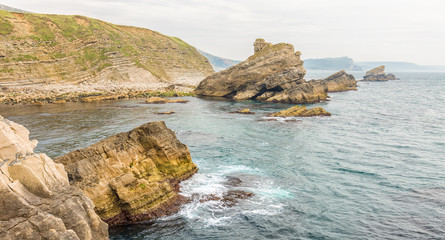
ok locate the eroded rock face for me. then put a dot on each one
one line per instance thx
(36, 200)
(340, 82)
(378, 74)
(301, 111)
(275, 73)
(132, 176)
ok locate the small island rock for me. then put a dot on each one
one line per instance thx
(378, 74)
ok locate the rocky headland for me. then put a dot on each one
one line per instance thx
(132, 176)
(378, 74)
(301, 111)
(50, 58)
(36, 199)
(274, 73)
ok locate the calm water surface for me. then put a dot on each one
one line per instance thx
(373, 170)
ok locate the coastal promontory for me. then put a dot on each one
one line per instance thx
(132, 176)
(47, 57)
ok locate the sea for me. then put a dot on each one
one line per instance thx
(375, 169)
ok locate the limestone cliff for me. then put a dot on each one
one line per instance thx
(132, 176)
(52, 55)
(36, 200)
(275, 73)
(378, 74)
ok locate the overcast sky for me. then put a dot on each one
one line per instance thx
(365, 30)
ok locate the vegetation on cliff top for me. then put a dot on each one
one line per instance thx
(90, 44)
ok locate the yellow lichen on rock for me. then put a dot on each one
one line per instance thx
(132, 176)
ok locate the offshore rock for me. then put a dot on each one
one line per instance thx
(340, 82)
(36, 200)
(273, 74)
(132, 176)
(378, 74)
(297, 111)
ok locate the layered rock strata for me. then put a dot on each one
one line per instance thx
(36, 200)
(47, 57)
(301, 111)
(275, 73)
(378, 74)
(132, 176)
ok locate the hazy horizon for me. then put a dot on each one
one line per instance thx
(366, 31)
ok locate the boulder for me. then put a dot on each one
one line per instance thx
(301, 111)
(378, 74)
(36, 199)
(132, 176)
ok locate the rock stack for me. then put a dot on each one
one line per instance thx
(274, 73)
(378, 74)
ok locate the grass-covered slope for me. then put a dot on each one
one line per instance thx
(47, 49)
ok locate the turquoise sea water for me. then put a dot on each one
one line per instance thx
(373, 170)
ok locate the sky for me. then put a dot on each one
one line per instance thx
(365, 30)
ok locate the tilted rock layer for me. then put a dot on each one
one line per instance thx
(132, 176)
(51, 55)
(36, 200)
(275, 73)
(378, 74)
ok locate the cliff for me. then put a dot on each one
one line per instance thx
(55, 55)
(132, 176)
(378, 74)
(275, 73)
(36, 200)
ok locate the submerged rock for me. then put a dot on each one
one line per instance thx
(159, 100)
(37, 201)
(378, 74)
(297, 111)
(244, 111)
(166, 113)
(132, 176)
(275, 73)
